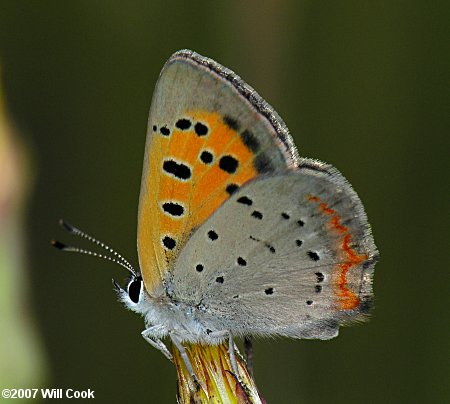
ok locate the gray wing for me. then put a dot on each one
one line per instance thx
(288, 254)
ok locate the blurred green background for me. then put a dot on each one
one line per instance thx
(362, 85)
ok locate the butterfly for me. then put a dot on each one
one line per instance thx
(237, 234)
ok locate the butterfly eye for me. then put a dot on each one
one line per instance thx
(134, 290)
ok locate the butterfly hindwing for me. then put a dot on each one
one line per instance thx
(288, 253)
(208, 134)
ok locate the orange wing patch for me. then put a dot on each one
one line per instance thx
(194, 167)
(347, 298)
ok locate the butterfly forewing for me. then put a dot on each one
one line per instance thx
(208, 134)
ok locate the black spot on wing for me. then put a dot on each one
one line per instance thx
(201, 129)
(250, 141)
(178, 170)
(228, 164)
(245, 200)
(313, 255)
(173, 208)
(165, 131)
(231, 122)
(232, 188)
(262, 164)
(183, 124)
(257, 215)
(206, 157)
(169, 242)
(212, 235)
(269, 246)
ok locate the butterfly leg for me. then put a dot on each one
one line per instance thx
(156, 342)
(231, 351)
(177, 342)
(248, 346)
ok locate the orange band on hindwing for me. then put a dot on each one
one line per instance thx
(347, 299)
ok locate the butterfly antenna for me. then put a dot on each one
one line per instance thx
(77, 232)
(118, 259)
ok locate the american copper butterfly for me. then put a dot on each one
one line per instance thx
(237, 234)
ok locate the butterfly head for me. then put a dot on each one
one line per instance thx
(133, 295)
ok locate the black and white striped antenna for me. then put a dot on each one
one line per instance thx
(116, 258)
